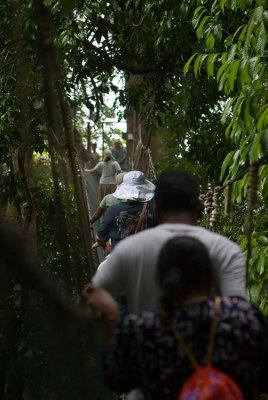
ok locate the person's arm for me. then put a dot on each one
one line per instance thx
(119, 339)
(111, 275)
(99, 243)
(231, 270)
(105, 226)
(98, 213)
(90, 170)
(98, 168)
(105, 307)
(117, 167)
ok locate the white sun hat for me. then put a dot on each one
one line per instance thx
(135, 187)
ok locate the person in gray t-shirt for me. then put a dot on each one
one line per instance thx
(131, 268)
(108, 169)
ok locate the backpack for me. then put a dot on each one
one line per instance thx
(207, 382)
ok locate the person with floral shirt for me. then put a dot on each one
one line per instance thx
(141, 351)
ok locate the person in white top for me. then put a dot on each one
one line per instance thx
(131, 268)
(108, 169)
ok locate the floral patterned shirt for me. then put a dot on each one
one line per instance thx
(147, 355)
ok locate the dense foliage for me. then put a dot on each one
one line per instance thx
(235, 53)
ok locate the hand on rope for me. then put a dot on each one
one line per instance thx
(104, 307)
(98, 243)
(106, 246)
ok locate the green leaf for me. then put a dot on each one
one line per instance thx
(197, 18)
(244, 76)
(251, 26)
(265, 189)
(239, 29)
(196, 11)
(222, 4)
(199, 32)
(226, 87)
(232, 53)
(187, 65)
(262, 119)
(252, 66)
(233, 73)
(228, 41)
(264, 141)
(242, 34)
(197, 65)
(224, 57)
(204, 56)
(227, 108)
(226, 162)
(221, 71)
(224, 77)
(263, 239)
(265, 19)
(210, 41)
(217, 32)
(233, 4)
(210, 64)
(257, 15)
(261, 39)
(254, 103)
(246, 114)
(237, 106)
(255, 148)
(261, 263)
(228, 129)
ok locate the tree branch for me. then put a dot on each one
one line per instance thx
(125, 67)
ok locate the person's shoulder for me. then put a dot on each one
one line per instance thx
(245, 309)
(218, 238)
(114, 209)
(246, 317)
(143, 318)
(105, 201)
(99, 164)
(140, 240)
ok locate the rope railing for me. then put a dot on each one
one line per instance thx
(143, 161)
(211, 201)
(69, 335)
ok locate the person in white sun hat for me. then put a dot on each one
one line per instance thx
(135, 187)
(134, 214)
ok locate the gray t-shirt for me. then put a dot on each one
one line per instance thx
(108, 170)
(131, 267)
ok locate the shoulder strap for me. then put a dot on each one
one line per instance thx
(213, 330)
(211, 342)
(138, 226)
